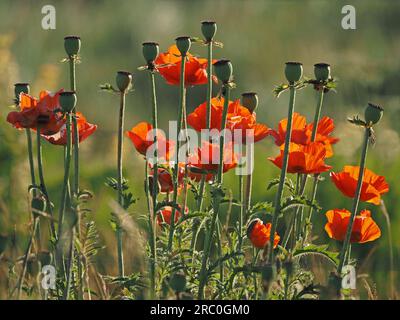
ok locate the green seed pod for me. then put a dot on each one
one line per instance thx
(322, 71)
(32, 266)
(123, 80)
(250, 101)
(68, 100)
(72, 45)
(21, 88)
(3, 243)
(373, 113)
(209, 29)
(178, 281)
(183, 44)
(150, 51)
(293, 71)
(38, 205)
(223, 69)
(45, 258)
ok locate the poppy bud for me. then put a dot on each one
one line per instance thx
(209, 29)
(3, 243)
(45, 257)
(183, 44)
(38, 205)
(150, 51)
(124, 80)
(373, 113)
(21, 88)
(32, 266)
(72, 45)
(67, 100)
(178, 281)
(293, 71)
(250, 101)
(322, 71)
(223, 70)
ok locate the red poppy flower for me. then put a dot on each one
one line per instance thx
(142, 137)
(259, 234)
(302, 132)
(238, 118)
(166, 213)
(169, 66)
(373, 186)
(38, 113)
(85, 129)
(306, 159)
(364, 228)
(165, 179)
(205, 160)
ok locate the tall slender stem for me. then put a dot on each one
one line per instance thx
(155, 188)
(209, 83)
(356, 201)
(182, 102)
(119, 181)
(242, 208)
(283, 172)
(42, 182)
(216, 201)
(26, 256)
(30, 156)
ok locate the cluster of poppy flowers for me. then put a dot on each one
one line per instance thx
(44, 114)
(306, 155)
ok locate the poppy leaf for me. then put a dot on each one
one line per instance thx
(318, 251)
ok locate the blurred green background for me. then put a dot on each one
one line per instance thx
(258, 36)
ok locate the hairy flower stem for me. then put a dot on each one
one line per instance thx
(242, 208)
(182, 103)
(26, 257)
(391, 256)
(209, 83)
(42, 182)
(216, 201)
(155, 188)
(313, 137)
(356, 200)
(283, 172)
(119, 182)
(30, 156)
(72, 75)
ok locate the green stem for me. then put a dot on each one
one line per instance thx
(119, 182)
(216, 202)
(283, 172)
(30, 156)
(346, 242)
(26, 257)
(182, 102)
(242, 207)
(317, 115)
(209, 84)
(70, 260)
(222, 136)
(155, 186)
(42, 182)
(67, 165)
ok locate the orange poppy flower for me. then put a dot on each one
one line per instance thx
(85, 129)
(373, 186)
(259, 234)
(38, 113)
(364, 228)
(142, 137)
(166, 213)
(238, 118)
(306, 159)
(169, 66)
(302, 132)
(165, 179)
(205, 160)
